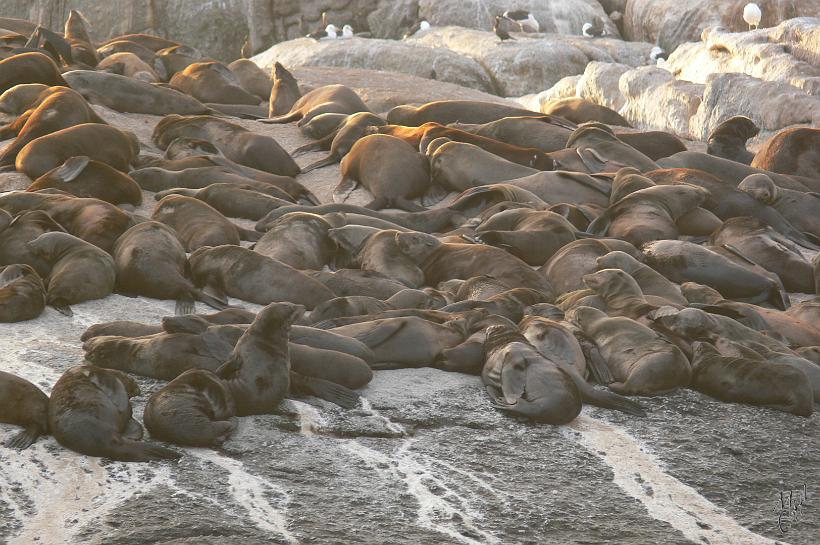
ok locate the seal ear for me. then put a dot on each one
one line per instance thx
(72, 168)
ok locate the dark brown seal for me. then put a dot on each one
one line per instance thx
(323, 100)
(23, 404)
(728, 140)
(29, 67)
(84, 177)
(455, 111)
(791, 151)
(22, 293)
(579, 110)
(212, 81)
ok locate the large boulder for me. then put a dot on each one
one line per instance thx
(672, 22)
(599, 83)
(373, 54)
(766, 54)
(531, 64)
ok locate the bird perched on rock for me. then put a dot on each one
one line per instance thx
(499, 31)
(658, 54)
(421, 24)
(595, 29)
(752, 15)
(524, 19)
(347, 31)
(330, 32)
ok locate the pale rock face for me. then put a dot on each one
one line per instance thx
(599, 83)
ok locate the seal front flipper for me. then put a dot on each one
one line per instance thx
(184, 304)
(133, 430)
(24, 439)
(381, 333)
(611, 400)
(324, 389)
(125, 450)
(71, 168)
(61, 306)
(209, 300)
(598, 368)
(344, 189)
(327, 161)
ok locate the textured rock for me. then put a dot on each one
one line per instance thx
(373, 54)
(672, 22)
(599, 83)
(531, 64)
(764, 54)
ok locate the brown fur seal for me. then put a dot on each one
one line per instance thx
(129, 65)
(321, 126)
(345, 282)
(148, 41)
(252, 78)
(124, 94)
(22, 294)
(390, 169)
(89, 412)
(76, 33)
(258, 371)
(195, 409)
(99, 142)
(566, 268)
(622, 294)
(29, 67)
(681, 261)
(253, 277)
(579, 110)
(742, 380)
(234, 141)
(252, 201)
(728, 140)
(377, 250)
(642, 362)
(284, 93)
(649, 280)
(455, 111)
(198, 224)
(602, 151)
(151, 261)
(212, 82)
(176, 57)
(79, 271)
(83, 177)
(57, 108)
(23, 404)
(92, 220)
(798, 207)
(565, 187)
(546, 133)
(458, 166)
(756, 241)
(340, 141)
(326, 99)
(355, 305)
(440, 261)
(16, 232)
(298, 239)
(19, 98)
(791, 151)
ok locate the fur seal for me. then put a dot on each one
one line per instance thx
(756, 382)
(236, 142)
(23, 404)
(642, 362)
(252, 201)
(244, 274)
(195, 409)
(681, 261)
(298, 239)
(198, 224)
(77, 35)
(377, 250)
(341, 140)
(96, 141)
(441, 261)
(19, 98)
(124, 94)
(56, 108)
(89, 412)
(602, 151)
(321, 126)
(79, 271)
(252, 78)
(546, 133)
(257, 374)
(566, 268)
(129, 65)
(458, 166)
(322, 100)
(798, 207)
(389, 168)
(579, 110)
(345, 282)
(355, 305)
(31, 67)
(649, 280)
(791, 151)
(455, 111)
(151, 261)
(15, 233)
(284, 92)
(212, 81)
(83, 177)
(22, 293)
(728, 140)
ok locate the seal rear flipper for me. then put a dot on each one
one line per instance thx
(327, 161)
(598, 368)
(71, 168)
(434, 195)
(600, 225)
(125, 450)
(287, 118)
(24, 439)
(61, 306)
(380, 334)
(611, 400)
(184, 304)
(324, 389)
(344, 189)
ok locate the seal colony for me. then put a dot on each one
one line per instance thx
(577, 263)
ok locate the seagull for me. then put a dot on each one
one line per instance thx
(523, 19)
(347, 31)
(658, 54)
(330, 31)
(594, 29)
(421, 24)
(500, 32)
(752, 15)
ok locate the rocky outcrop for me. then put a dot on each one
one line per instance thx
(599, 81)
(766, 54)
(670, 23)
(374, 54)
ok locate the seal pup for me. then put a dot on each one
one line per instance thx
(22, 293)
(298, 239)
(566, 268)
(129, 65)
(89, 412)
(752, 381)
(195, 409)
(798, 207)
(257, 374)
(649, 280)
(389, 168)
(252, 78)
(728, 140)
(22, 404)
(642, 361)
(79, 271)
